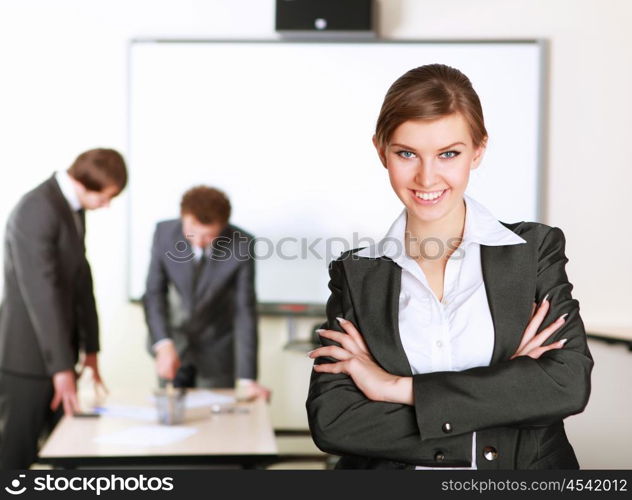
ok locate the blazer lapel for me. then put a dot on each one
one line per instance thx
(213, 276)
(510, 296)
(178, 258)
(374, 286)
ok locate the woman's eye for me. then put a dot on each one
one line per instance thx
(406, 154)
(449, 154)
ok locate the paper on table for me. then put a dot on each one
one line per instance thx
(203, 398)
(199, 399)
(127, 411)
(146, 436)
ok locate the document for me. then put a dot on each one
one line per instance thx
(203, 398)
(143, 436)
(144, 413)
(200, 399)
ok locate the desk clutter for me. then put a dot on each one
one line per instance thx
(196, 427)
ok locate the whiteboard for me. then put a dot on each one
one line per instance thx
(284, 128)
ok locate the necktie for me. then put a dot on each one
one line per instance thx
(198, 268)
(80, 222)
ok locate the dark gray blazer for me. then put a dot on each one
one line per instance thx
(48, 309)
(212, 319)
(515, 406)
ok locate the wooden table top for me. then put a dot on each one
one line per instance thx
(241, 429)
(615, 332)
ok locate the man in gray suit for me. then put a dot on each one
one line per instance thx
(200, 303)
(48, 313)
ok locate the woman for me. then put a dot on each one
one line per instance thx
(433, 355)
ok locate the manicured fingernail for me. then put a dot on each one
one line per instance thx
(563, 316)
(341, 320)
(310, 353)
(320, 330)
(563, 341)
(545, 297)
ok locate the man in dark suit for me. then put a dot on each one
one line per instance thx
(48, 312)
(200, 303)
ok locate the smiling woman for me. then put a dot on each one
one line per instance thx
(455, 341)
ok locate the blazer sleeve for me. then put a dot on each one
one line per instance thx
(522, 391)
(343, 421)
(245, 321)
(32, 239)
(87, 315)
(517, 392)
(155, 297)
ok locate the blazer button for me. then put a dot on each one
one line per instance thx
(490, 453)
(447, 427)
(439, 456)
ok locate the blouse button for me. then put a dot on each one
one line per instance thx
(439, 344)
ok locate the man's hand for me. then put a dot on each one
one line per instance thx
(65, 388)
(250, 389)
(91, 361)
(167, 361)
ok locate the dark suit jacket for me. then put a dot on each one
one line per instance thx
(212, 319)
(48, 309)
(515, 406)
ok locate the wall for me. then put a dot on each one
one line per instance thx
(589, 124)
(63, 90)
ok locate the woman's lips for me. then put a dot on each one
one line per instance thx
(434, 201)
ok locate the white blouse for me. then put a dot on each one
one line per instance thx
(456, 333)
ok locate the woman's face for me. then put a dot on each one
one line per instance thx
(429, 164)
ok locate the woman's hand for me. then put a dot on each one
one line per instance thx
(355, 360)
(531, 344)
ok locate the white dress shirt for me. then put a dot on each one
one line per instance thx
(67, 189)
(198, 252)
(70, 194)
(456, 333)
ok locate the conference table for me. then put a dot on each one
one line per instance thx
(126, 433)
(611, 334)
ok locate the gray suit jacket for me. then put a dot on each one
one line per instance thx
(48, 309)
(212, 319)
(515, 406)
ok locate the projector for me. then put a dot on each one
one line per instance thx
(345, 18)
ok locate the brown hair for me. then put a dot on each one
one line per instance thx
(426, 93)
(208, 205)
(99, 168)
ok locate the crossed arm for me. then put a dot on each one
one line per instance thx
(517, 392)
